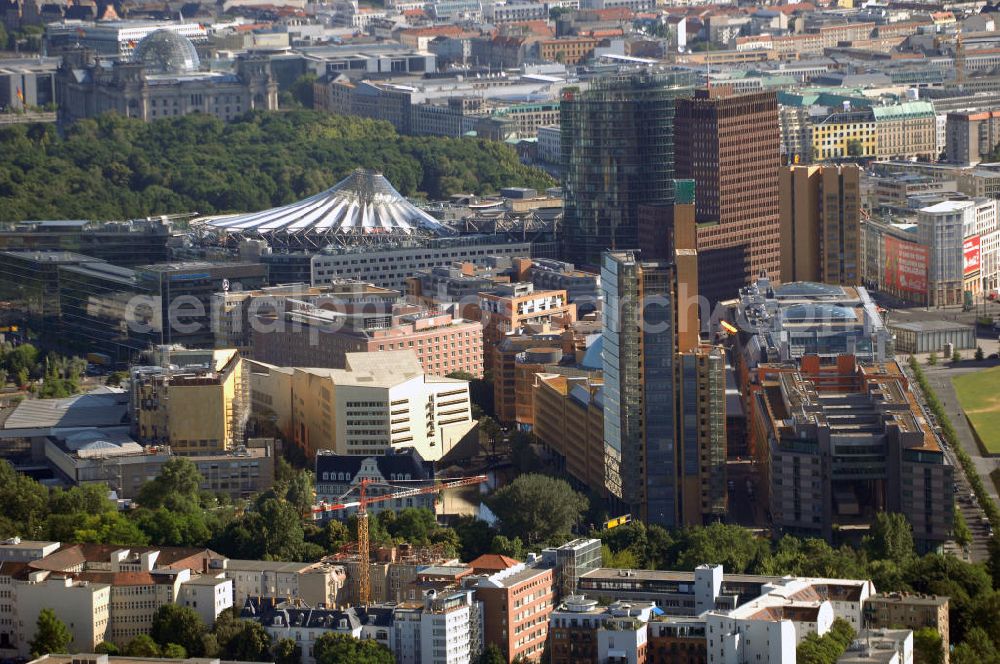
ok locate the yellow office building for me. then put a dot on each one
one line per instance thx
(842, 135)
(196, 401)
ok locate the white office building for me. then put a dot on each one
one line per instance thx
(382, 401)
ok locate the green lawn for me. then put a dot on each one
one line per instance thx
(979, 394)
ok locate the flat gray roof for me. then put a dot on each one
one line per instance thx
(102, 407)
(931, 326)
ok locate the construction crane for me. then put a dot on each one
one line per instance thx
(960, 59)
(362, 503)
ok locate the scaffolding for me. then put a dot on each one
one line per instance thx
(239, 407)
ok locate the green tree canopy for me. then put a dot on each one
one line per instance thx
(286, 651)
(891, 537)
(512, 547)
(302, 90)
(176, 488)
(25, 504)
(174, 651)
(475, 537)
(537, 508)
(168, 527)
(273, 530)
(173, 623)
(51, 635)
(300, 492)
(21, 358)
(721, 544)
(333, 648)
(107, 648)
(491, 655)
(250, 643)
(976, 648)
(412, 524)
(142, 646)
(119, 168)
(828, 648)
(928, 646)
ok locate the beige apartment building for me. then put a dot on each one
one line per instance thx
(912, 611)
(906, 131)
(313, 583)
(137, 596)
(84, 607)
(135, 583)
(194, 401)
(821, 224)
(567, 50)
(379, 402)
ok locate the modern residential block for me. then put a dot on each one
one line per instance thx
(516, 605)
(837, 443)
(569, 421)
(512, 306)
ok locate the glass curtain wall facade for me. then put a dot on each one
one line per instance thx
(122, 243)
(185, 291)
(617, 153)
(104, 310)
(31, 280)
(639, 402)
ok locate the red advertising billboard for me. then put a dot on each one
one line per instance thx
(905, 267)
(971, 256)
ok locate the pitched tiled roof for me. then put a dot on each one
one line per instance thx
(492, 562)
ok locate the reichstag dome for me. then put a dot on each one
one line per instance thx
(166, 52)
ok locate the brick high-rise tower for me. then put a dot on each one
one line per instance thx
(730, 145)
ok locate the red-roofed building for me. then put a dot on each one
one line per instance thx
(613, 14)
(795, 7)
(605, 33)
(527, 29)
(411, 36)
(491, 563)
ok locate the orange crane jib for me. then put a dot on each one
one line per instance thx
(364, 578)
